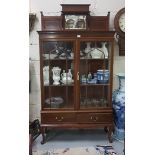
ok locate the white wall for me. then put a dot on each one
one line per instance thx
(52, 7)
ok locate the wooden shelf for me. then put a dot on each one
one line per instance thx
(92, 59)
(106, 84)
(61, 85)
(92, 107)
(65, 106)
(58, 59)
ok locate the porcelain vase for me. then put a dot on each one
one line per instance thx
(56, 75)
(104, 49)
(46, 75)
(88, 49)
(118, 101)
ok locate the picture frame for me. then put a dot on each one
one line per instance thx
(75, 22)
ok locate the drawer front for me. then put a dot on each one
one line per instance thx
(48, 118)
(94, 118)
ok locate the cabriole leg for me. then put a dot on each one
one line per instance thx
(110, 129)
(43, 135)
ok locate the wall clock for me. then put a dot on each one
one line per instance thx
(119, 23)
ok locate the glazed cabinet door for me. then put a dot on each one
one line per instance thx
(57, 68)
(94, 74)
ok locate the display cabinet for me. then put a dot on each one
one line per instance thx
(76, 69)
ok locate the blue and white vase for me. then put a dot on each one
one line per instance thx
(118, 100)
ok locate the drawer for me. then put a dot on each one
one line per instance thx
(48, 118)
(94, 117)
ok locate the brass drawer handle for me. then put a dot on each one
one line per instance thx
(95, 118)
(59, 119)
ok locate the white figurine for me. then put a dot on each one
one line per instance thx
(46, 75)
(104, 49)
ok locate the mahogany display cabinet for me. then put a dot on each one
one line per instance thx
(76, 72)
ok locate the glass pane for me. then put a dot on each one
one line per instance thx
(93, 96)
(58, 74)
(60, 97)
(94, 74)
